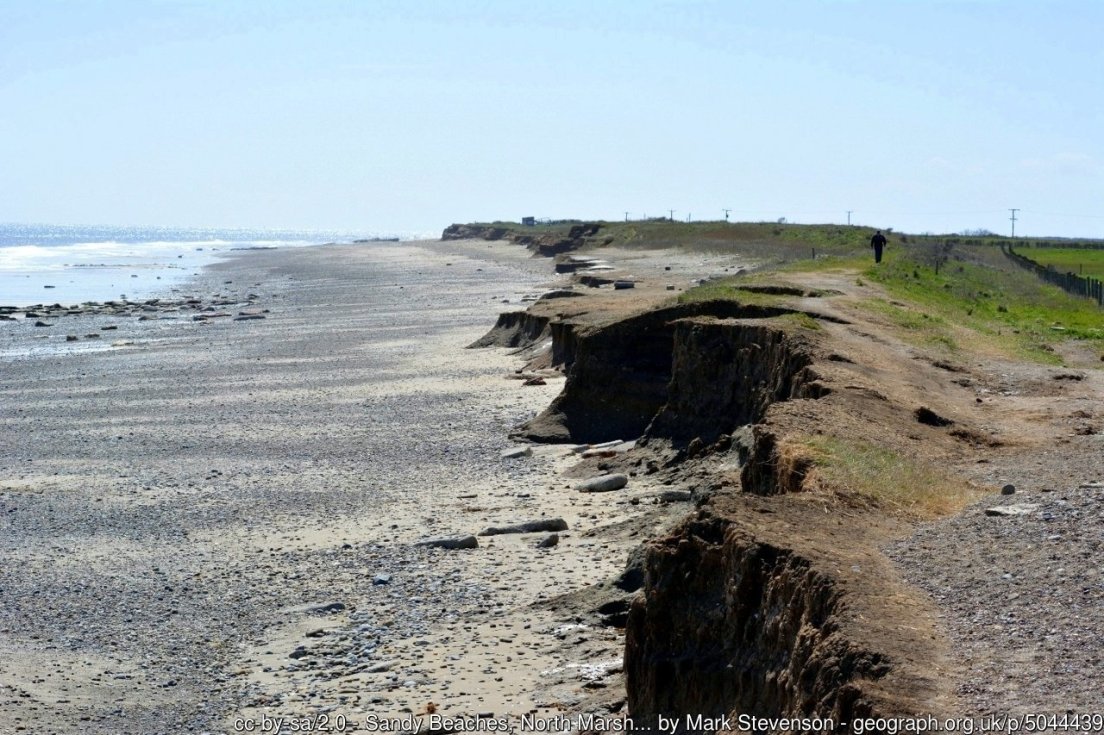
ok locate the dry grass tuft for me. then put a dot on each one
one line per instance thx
(863, 472)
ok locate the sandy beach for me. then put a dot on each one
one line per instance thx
(211, 522)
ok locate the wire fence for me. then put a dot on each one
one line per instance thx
(1072, 283)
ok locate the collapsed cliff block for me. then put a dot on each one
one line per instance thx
(770, 607)
(517, 329)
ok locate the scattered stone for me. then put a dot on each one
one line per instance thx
(457, 542)
(517, 453)
(549, 541)
(544, 524)
(327, 609)
(621, 285)
(535, 381)
(299, 652)
(558, 294)
(675, 496)
(41, 323)
(71, 338)
(381, 579)
(1012, 510)
(603, 483)
(248, 317)
(1008, 489)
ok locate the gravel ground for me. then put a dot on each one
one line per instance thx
(169, 503)
(1022, 595)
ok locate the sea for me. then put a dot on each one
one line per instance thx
(48, 264)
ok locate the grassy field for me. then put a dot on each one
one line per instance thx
(1068, 260)
(980, 292)
(978, 297)
(767, 241)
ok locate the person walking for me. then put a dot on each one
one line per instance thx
(878, 242)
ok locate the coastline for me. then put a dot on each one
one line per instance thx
(250, 495)
(185, 505)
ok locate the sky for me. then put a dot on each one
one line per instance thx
(402, 117)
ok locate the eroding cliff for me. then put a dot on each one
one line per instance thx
(516, 329)
(619, 375)
(770, 599)
(725, 373)
(746, 610)
(547, 244)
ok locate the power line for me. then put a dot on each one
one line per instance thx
(1013, 218)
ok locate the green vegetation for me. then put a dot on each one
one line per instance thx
(802, 320)
(887, 479)
(767, 241)
(978, 297)
(729, 289)
(981, 291)
(1083, 262)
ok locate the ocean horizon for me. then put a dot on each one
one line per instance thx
(70, 264)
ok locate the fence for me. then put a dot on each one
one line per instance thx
(1072, 283)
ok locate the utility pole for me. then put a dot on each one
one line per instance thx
(726, 214)
(849, 211)
(671, 212)
(626, 216)
(687, 216)
(1013, 218)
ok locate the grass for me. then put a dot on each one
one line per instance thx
(887, 479)
(728, 289)
(802, 320)
(767, 241)
(977, 297)
(1068, 260)
(981, 292)
(919, 326)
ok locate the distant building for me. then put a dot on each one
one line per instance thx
(529, 221)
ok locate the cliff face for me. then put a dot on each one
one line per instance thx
(726, 373)
(741, 616)
(736, 624)
(516, 329)
(620, 376)
(764, 601)
(545, 244)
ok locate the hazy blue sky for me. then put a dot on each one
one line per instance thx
(406, 116)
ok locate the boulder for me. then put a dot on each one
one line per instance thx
(453, 543)
(544, 524)
(603, 483)
(1012, 510)
(549, 541)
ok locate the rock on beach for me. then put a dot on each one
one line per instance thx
(603, 483)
